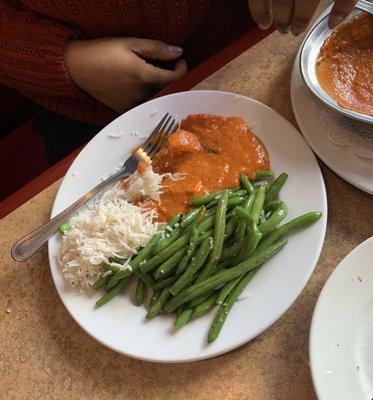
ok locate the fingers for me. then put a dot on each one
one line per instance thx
(155, 49)
(160, 78)
(340, 11)
(302, 14)
(282, 13)
(261, 12)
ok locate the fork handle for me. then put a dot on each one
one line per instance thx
(29, 244)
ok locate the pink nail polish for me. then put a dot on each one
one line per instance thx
(175, 49)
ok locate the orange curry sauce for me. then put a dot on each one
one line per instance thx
(345, 66)
(210, 151)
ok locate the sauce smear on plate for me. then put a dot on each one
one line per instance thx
(210, 151)
(345, 65)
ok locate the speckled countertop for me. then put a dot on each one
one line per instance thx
(45, 355)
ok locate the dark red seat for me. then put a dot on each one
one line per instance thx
(22, 155)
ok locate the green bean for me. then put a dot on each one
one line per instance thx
(273, 205)
(112, 268)
(200, 299)
(246, 184)
(219, 231)
(275, 218)
(262, 217)
(101, 282)
(261, 175)
(145, 278)
(224, 276)
(204, 235)
(241, 226)
(111, 293)
(250, 244)
(166, 268)
(206, 223)
(283, 230)
(64, 228)
(205, 306)
(226, 289)
(183, 318)
(195, 266)
(180, 310)
(157, 305)
(258, 203)
(204, 199)
(174, 220)
(165, 283)
(234, 200)
(165, 254)
(208, 198)
(140, 292)
(232, 251)
(275, 188)
(226, 263)
(231, 226)
(227, 306)
(245, 215)
(140, 257)
(186, 221)
(168, 239)
(189, 253)
(155, 297)
(189, 218)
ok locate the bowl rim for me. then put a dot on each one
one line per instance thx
(327, 99)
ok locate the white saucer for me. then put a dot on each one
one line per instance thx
(342, 160)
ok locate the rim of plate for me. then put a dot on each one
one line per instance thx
(313, 262)
(319, 92)
(313, 328)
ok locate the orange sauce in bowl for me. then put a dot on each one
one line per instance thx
(210, 151)
(345, 65)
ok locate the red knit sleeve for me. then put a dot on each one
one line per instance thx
(31, 53)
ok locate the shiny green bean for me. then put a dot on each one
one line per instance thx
(224, 276)
(140, 292)
(276, 217)
(205, 306)
(158, 304)
(258, 203)
(246, 184)
(219, 231)
(261, 175)
(275, 187)
(291, 226)
(227, 306)
(195, 265)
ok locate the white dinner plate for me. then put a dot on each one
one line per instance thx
(341, 345)
(308, 112)
(120, 325)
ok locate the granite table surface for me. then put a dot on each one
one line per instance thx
(44, 354)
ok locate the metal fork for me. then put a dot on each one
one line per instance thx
(29, 244)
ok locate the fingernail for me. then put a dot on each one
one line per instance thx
(175, 49)
(335, 20)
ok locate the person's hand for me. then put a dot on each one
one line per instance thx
(295, 15)
(114, 70)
